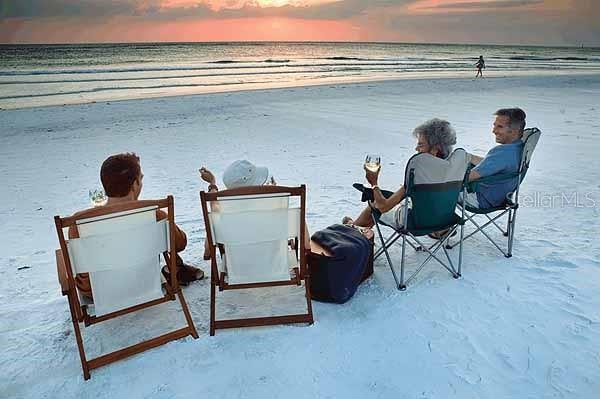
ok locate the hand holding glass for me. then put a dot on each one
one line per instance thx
(373, 162)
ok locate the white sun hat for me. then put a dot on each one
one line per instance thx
(243, 173)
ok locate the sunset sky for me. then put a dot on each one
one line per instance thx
(545, 22)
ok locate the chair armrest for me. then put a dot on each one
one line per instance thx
(472, 186)
(61, 269)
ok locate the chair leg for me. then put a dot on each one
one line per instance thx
(390, 240)
(84, 364)
(188, 316)
(511, 232)
(490, 239)
(507, 232)
(212, 306)
(387, 255)
(402, 286)
(460, 249)
(308, 298)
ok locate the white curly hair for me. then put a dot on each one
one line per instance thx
(439, 134)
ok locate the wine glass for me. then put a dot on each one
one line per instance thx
(373, 162)
(97, 197)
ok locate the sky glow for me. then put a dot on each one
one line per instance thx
(535, 22)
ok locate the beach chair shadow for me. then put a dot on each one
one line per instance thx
(432, 188)
(252, 226)
(493, 216)
(119, 247)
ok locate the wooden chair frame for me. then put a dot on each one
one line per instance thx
(79, 313)
(220, 280)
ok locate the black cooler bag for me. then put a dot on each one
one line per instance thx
(335, 278)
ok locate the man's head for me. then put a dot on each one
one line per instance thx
(436, 137)
(121, 175)
(509, 125)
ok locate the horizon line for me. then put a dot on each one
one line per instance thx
(224, 42)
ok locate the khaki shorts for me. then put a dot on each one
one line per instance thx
(469, 198)
(394, 217)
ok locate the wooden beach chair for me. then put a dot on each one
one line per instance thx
(252, 226)
(509, 208)
(432, 188)
(119, 247)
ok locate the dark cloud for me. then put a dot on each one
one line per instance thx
(512, 26)
(338, 10)
(477, 5)
(73, 8)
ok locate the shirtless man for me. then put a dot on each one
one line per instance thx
(122, 177)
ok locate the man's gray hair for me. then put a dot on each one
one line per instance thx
(439, 134)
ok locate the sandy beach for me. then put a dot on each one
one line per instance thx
(526, 327)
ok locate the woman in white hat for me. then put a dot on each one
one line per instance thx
(241, 173)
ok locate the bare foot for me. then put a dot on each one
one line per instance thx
(347, 220)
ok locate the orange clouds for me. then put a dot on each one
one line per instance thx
(471, 6)
(124, 29)
(456, 21)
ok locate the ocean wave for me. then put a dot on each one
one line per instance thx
(208, 75)
(305, 69)
(341, 58)
(254, 65)
(267, 61)
(121, 88)
(539, 58)
(225, 62)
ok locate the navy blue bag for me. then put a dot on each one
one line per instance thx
(335, 278)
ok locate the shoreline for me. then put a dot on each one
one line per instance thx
(185, 91)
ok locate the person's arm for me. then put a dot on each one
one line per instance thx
(475, 159)
(385, 204)
(474, 175)
(382, 203)
(209, 177)
(493, 163)
(180, 237)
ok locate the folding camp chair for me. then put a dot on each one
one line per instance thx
(509, 207)
(432, 187)
(252, 225)
(119, 246)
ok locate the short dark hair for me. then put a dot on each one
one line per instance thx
(119, 172)
(516, 117)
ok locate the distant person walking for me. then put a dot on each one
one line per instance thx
(480, 64)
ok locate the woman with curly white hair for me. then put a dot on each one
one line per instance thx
(436, 137)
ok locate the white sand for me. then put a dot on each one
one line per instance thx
(526, 327)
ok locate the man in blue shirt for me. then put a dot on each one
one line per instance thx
(504, 158)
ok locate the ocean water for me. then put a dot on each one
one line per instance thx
(37, 75)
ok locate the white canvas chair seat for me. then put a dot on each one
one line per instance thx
(119, 247)
(256, 241)
(121, 255)
(248, 273)
(252, 225)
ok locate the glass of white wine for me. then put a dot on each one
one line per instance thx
(373, 162)
(97, 197)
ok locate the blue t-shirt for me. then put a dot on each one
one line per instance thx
(503, 158)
